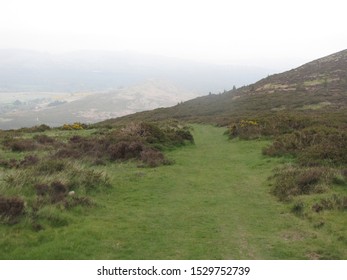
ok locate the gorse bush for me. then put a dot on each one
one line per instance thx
(74, 126)
(245, 129)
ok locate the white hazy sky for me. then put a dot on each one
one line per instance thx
(259, 32)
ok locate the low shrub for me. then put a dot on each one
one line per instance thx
(336, 202)
(42, 189)
(11, 208)
(298, 208)
(11, 163)
(28, 160)
(50, 166)
(153, 158)
(293, 181)
(74, 126)
(58, 191)
(312, 146)
(245, 129)
(68, 153)
(125, 150)
(268, 125)
(21, 145)
(44, 139)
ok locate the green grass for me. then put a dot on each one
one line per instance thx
(213, 203)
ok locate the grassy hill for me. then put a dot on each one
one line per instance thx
(271, 184)
(318, 86)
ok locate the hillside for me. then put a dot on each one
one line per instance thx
(111, 191)
(315, 86)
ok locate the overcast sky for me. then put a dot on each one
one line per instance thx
(257, 32)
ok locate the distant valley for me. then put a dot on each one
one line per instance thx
(92, 86)
(54, 109)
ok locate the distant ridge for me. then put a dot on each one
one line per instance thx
(317, 85)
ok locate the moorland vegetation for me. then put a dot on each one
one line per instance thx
(276, 181)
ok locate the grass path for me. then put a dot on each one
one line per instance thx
(213, 203)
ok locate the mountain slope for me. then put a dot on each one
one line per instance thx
(317, 85)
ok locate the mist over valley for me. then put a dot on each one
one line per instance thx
(90, 86)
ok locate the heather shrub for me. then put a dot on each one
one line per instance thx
(42, 189)
(67, 153)
(34, 129)
(267, 125)
(50, 166)
(44, 139)
(11, 208)
(29, 160)
(298, 208)
(312, 146)
(58, 191)
(149, 132)
(21, 145)
(11, 163)
(153, 158)
(165, 134)
(125, 150)
(293, 181)
(335, 202)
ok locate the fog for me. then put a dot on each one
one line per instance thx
(55, 54)
(268, 33)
